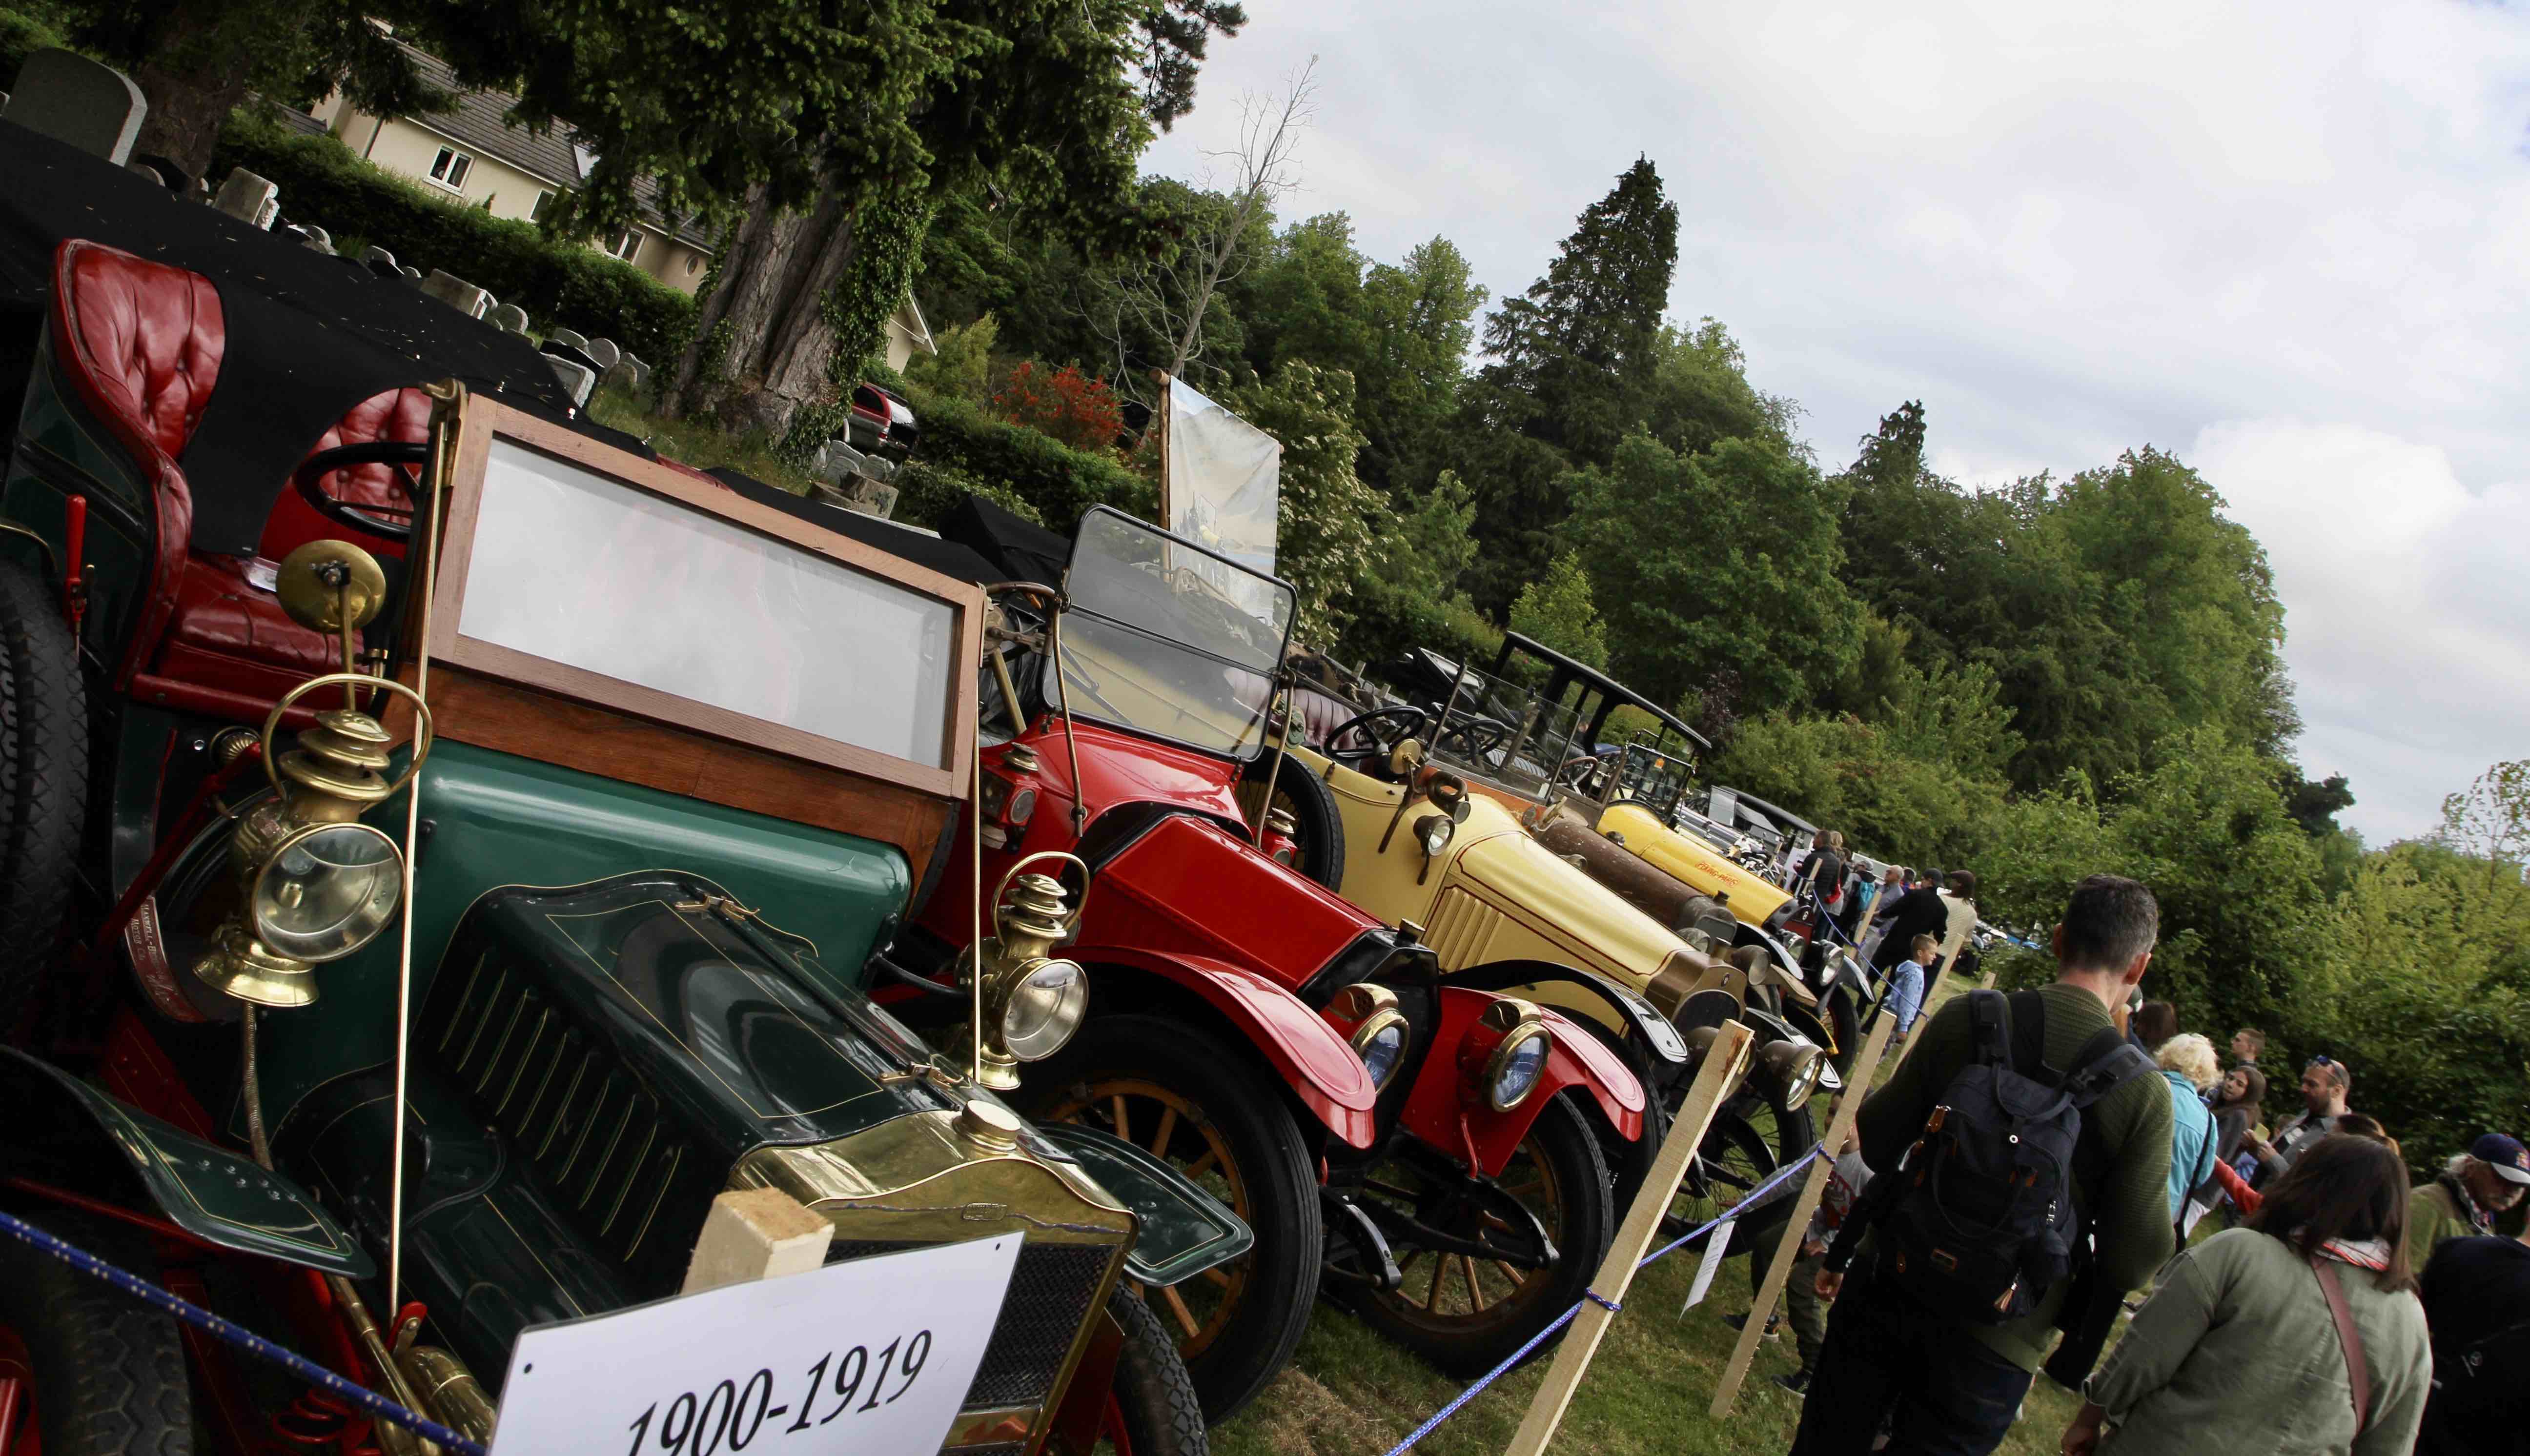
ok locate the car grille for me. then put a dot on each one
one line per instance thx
(1463, 929)
(588, 1131)
(1049, 1298)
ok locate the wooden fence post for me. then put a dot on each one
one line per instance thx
(1813, 1188)
(1714, 1080)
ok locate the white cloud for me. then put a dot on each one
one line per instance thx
(2293, 241)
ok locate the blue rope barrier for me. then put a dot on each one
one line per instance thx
(245, 1339)
(1755, 1197)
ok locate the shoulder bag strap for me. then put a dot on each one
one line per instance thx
(1990, 1023)
(2359, 1374)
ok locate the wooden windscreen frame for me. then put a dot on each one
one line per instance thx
(477, 420)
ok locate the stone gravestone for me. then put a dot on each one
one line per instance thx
(605, 352)
(457, 292)
(509, 318)
(380, 261)
(627, 374)
(270, 213)
(74, 100)
(316, 238)
(567, 338)
(244, 196)
(578, 379)
(411, 275)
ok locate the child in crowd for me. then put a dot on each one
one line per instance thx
(1906, 982)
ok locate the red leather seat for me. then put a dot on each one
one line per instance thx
(143, 343)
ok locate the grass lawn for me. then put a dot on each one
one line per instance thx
(1351, 1393)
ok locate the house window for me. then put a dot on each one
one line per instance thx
(450, 167)
(544, 201)
(625, 244)
(693, 265)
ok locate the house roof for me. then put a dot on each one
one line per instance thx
(910, 318)
(552, 156)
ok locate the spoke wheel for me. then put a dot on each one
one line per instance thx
(1152, 1409)
(1465, 1313)
(1201, 1106)
(1746, 1144)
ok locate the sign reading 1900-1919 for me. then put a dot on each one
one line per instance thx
(821, 1362)
(730, 1416)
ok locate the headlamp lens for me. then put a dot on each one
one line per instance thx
(327, 890)
(1045, 1009)
(1520, 1069)
(1435, 832)
(1381, 1054)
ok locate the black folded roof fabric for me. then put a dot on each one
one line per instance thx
(1019, 549)
(309, 336)
(946, 558)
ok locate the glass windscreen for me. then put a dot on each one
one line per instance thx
(1504, 732)
(579, 570)
(1168, 639)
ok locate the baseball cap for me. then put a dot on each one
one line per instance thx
(2506, 1154)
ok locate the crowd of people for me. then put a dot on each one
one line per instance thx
(2037, 1159)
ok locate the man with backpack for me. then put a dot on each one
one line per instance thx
(2021, 1139)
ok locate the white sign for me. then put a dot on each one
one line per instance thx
(874, 1356)
(1714, 1250)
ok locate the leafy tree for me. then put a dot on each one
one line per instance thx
(1555, 610)
(1573, 360)
(962, 363)
(1860, 780)
(1700, 395)
(1064, 403)
(1175, 33)
(2315, 805)
(2491, 820)
(1722, 560)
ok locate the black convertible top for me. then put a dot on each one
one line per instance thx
(309, 336)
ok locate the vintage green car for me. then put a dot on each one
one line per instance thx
(453, 1016)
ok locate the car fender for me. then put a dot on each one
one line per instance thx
(210, 1192)
(1313, 1058)
(1445, 1109)
(1661, 1041)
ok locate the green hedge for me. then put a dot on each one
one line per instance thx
(962, 442)
(559, 284)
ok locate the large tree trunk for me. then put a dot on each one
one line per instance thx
(197, 73)
(761, 344)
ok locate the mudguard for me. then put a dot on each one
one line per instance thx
(1183, 1229)
(1653, 1030)
(1445, 1109)
(1312, 1058)
(202, 1188)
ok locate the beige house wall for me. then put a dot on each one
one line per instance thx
(408, 147)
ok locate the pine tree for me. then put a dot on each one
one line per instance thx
(1573, 363)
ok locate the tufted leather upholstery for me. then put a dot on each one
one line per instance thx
(144, 341)
(392, 414)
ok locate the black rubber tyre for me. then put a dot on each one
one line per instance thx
(1229, 1125)
(1733, 1159)
(1312, 805)
(109, 1370)
(1562, 1152)
(1152, 1406)
(1848, 1027)
(43, 775)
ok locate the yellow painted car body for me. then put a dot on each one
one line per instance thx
(1693, 863)
(1495, 894)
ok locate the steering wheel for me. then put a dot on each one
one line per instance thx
(1474, 740)
(378, 520)
(1383, 728)
(1578, 774)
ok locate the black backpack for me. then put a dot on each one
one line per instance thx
(1984, 1214)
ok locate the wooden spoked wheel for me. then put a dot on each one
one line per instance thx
(1177, 1132)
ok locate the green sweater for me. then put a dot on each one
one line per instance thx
(2434, 1215)
(2130, 1226)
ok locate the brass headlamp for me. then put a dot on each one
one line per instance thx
(318, 884)
(1031, 1001)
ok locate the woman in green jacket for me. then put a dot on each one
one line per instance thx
(2236, 1351)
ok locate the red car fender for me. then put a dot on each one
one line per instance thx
(1448, 1110)
(1313, 1057)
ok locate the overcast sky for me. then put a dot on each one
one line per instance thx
(2290, 243)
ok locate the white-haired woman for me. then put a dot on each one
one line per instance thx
(2187, 1063)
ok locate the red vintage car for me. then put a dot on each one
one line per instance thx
(1428, 1154)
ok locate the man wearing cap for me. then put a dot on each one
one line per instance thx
(2487, 1179)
